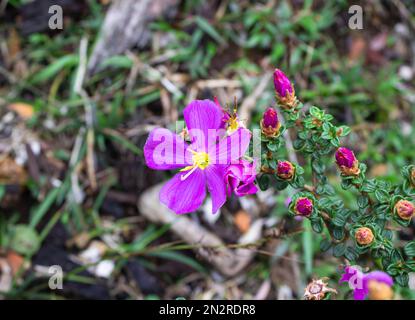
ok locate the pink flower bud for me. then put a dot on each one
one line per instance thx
(405, 209)
(270, 118)
(285, 170)
(282, 84)
(347, 162)
(345, 157)
(304, 206)
(284, 91)
(364, 236)
(270, 124)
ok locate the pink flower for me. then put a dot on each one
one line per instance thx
(239, 178)
(282, 84)
(304, 206)
(376, 284)
(202, 163)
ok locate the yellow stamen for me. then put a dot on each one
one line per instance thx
(232, 124)
(200, 160)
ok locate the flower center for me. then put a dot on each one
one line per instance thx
(200, 160)
(233, 124)
(315, 288)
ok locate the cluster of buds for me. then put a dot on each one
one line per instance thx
(270, 124)
(317, 289)
(347, 162)
(404, 209)
(284, 90)
(285, 170)
(364, 236)
(303, 207)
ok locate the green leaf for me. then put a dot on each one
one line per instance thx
(51, 70)
(339, 249)
(381, 195)
(317, 225)
(346, 184)
(339, 219)
(281, 185)
(316, 112)
(177, 256)
(351, 254)
(409, 249)
(147, 237)
(362, 201)
(338, 233)
(118, 61)
(207, 28)
(2, 191)
(345, 130)
(272, 146)
(325, 245)
(369, 185)
(43, 208)
(298, 144)
(263, 182)
(402, 279)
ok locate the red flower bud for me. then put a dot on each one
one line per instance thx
(347, 162)
(304, 206)
(270, 118)
(282, 84)
(285, 170)
(284, 90)
(270, 124)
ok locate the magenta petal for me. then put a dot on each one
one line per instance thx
(184, 196)
(216, 186)
(359, 294)
(200, 116)
(164, 150)
(378, 276)
(231, 148)
(350, 272)
(245, 189)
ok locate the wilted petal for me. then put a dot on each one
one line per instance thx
(164, 150)
(184, 196)
(216, 186)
